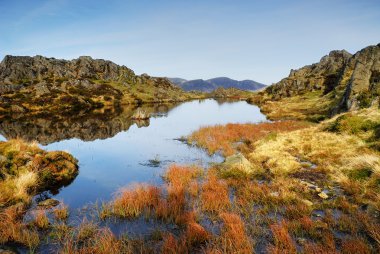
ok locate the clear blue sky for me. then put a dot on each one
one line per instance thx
(260, 40)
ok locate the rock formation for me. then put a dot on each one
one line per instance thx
(350, 81)
(40, 84)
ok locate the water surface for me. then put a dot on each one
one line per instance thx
(114, 151)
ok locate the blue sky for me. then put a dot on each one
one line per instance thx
(260, 40)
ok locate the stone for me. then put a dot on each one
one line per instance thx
(48, 203)
(41, 89)
(323, 195)
(17, 109)
(274, 194)
(307, 202)
(237, 162)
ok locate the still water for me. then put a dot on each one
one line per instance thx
(114, 151)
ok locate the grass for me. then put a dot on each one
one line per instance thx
(214, 196)
(312, 106)
(27, 169)
(233, 236)
(231, 138)
(206, 211)
(131, 202)
(41, 220)
(61, 212)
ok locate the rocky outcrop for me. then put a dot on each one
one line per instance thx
(15, 69)
(349, 81)
(40, 84)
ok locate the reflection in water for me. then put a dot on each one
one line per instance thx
(46, 129)
(113, 151)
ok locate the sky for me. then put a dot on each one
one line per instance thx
(191, 39)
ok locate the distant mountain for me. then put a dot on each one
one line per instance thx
(212, 84)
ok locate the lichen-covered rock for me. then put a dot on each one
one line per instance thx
(237, 163)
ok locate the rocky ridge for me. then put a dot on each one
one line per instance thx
(347, 81)
(32, 84)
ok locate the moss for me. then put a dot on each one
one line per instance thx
(352, 124)
(27, 170)
(360, 174)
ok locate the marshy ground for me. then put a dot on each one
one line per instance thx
(285, 187)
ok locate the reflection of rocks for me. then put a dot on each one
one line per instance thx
(47, 128)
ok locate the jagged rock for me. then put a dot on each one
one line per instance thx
(48, 84)
(353, 80)
(237, 162)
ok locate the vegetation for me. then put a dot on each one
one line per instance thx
(26, 170)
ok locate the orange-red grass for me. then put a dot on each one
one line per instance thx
(131, 202)
(282, 240)
(181, 175)
(355, 246)
(13, 230)
(233, 236)
(214, 195)
(222, 137)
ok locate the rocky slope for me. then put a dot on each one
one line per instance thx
(38, 83)
(339, 82)
(212, 84)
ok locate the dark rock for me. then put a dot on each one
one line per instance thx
(48, 203)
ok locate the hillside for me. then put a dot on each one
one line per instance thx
(212, 84)
(35, 84)
(339, 82)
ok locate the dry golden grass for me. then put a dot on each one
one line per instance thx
(328, 150)
(224, 137)
(310, 106)
(61, 212)
(16, 188)
(41, 220)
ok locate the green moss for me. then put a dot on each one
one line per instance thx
(360, 174)
(352, 124)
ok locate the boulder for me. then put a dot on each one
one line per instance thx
(237, 162)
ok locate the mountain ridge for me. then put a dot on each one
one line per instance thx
(210, 85)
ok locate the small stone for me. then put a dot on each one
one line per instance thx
(17, 109)
(307, 202)
(323, 195)
(48, 203)
(301, 240)
(274, 194)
